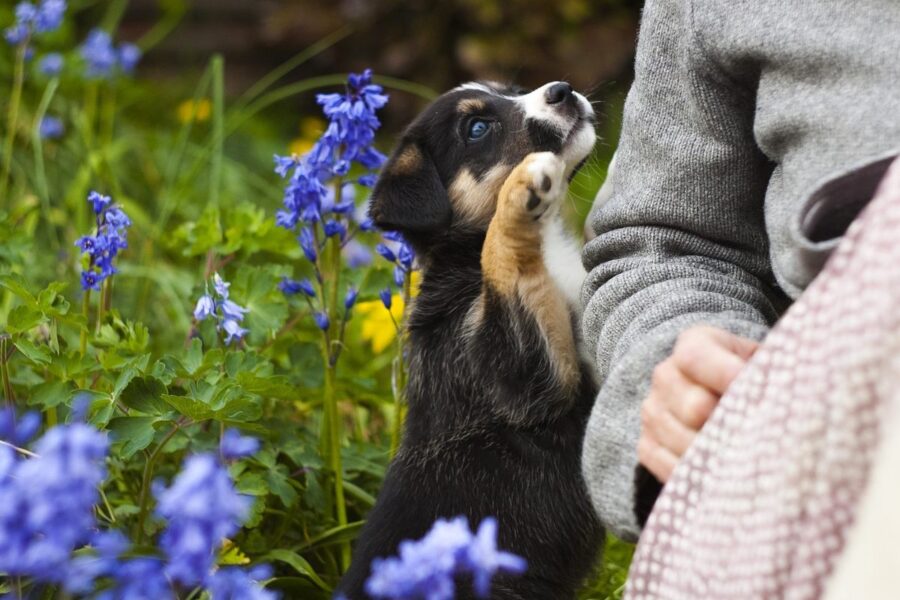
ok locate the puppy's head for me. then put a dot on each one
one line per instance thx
(452, 160)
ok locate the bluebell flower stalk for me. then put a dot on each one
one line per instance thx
(220, 307)
(319, 205)
(397, 251)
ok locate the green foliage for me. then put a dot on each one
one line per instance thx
(202, 196)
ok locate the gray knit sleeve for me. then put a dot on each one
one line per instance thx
(681, 241)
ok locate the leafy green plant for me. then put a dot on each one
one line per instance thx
(324, 399)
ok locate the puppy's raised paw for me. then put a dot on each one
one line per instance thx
(535, 185)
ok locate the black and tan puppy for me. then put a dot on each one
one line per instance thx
(498, 392)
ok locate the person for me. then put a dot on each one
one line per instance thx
(755, 132)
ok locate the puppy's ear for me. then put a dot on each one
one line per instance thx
(409, 195)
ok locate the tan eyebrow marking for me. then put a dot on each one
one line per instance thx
(407, 161)
(470, 105)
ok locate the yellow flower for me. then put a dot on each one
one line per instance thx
(300, 146)
(377, 327)
(189, 110)
(310, 130)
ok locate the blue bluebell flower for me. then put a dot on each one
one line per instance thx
(426, 568)
(15, 34)
(356, 254)
(99, 54)
(103, 247)
(202, 508)
(221, 286)
(308, 244)
(233, 331)
(234, 445)
(98, 202)
(348, 138)
(333, 228)
(385, 252)
(38, 531)
(350, 297)
(51, 64)
(368, 179)
(292, 286)
(31, 18)
(51, 128)
(49, 15)
(399, 275)
(367, 224)
(206, 307)
(230, 310)
(483, 560)
(283, 164)
(143, 577)
(129, 56)
(225, 311)
(322, 320)
(230, 583)
(18, 431)
(385, 296)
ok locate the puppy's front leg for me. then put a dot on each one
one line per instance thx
(516, 280)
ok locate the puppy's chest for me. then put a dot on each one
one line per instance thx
(562, 259)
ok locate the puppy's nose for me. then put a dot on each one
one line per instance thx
(558, 92)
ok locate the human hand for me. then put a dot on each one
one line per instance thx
(685, 389)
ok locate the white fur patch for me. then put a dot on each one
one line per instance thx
(562, 258)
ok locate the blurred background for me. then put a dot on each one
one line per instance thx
(438, 44)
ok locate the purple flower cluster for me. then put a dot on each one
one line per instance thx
(202, 509)
(397, 251)
(314, 205)
(347, 139)
(102, 58)
(47, 501)
(102, 248)
(220, 307)
(51, 128)
(51, 64)
(425, 569)
(47, 504)
(30, 19)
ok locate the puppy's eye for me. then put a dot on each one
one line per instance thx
(478, 128)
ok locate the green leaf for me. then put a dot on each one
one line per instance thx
(279, 483)
(145, 395)
(298, 563)
(132, 369)
(193, 358)
(22, 318)
(189, 407)
(18, 286)
(335, 535)
(50, 394)
(133, 433)
(37, 354)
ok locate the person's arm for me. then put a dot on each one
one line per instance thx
(681, 241)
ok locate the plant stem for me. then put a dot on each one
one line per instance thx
(101, 306)
(4, 369)
(144, 502)
(12, 117)
(398, 374)
(40, 171)
(86, 311)
(331, 433)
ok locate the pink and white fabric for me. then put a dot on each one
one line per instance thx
(762, 502)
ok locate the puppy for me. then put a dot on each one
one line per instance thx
(498, 393)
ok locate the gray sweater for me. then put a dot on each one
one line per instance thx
(724, 201)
